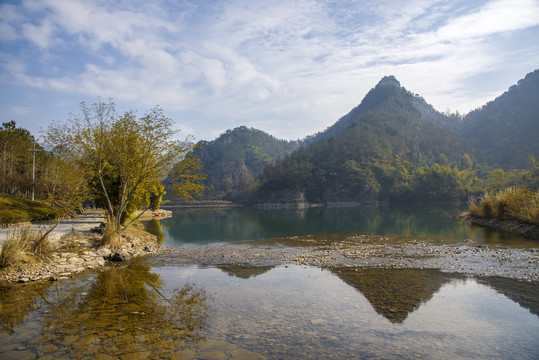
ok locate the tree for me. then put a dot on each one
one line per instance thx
(126, 157)
(497, 180)
(466, 162)
(16, 159)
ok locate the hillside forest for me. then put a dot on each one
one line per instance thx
(392, 147)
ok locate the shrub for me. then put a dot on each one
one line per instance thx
(514, 203)
(111, 237)
(487, 207)
(13, 250)
(473, 208)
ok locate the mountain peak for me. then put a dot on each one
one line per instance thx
(389, 80)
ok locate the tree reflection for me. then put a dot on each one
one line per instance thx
(154, 227)
(121, 311)
(17, 301)
(243, 271)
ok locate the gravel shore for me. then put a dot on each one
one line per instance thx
(366, 250)
(77, 249)
(85, 221)
(78, 252)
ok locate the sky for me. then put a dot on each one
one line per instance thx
(290, 68)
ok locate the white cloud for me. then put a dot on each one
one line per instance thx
(299, 64)
(495, 17)
(41, 34)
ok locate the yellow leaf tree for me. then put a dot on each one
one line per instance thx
(126, 158)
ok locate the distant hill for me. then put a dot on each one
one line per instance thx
(505, 131)
(359, 158)
(235, 159)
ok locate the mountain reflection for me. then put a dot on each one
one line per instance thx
(202, 226)
(244, 271)
(394, 293)
(120, 311)
(526, 294)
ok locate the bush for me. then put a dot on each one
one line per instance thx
(111, 237)
(487, 207)
(13, 250)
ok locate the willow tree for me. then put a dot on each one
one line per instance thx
(125, 158)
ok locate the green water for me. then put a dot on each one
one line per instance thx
(440, 221)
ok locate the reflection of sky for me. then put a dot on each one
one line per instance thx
(309, 307)
(281, 312)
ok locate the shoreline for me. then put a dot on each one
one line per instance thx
(526, 230)
(329, 251)
(77, 251)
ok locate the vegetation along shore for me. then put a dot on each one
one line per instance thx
(392, 147)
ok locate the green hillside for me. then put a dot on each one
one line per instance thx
(506, 131)
(393, 146)
(236, 158)
(385, 149)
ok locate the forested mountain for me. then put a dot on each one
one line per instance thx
(236, 158)
(387, 148)
(385, 88)
(505, 131)
(393, 146)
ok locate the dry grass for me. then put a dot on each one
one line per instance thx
(512, 203)
(111, 238)
(24, 246)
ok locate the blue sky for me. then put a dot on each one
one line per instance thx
(290, 68)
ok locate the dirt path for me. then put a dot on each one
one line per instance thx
(89, 219)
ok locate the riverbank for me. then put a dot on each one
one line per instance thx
(77, 251)
(330, 251)
(76, 248)
(526, 230)
(155, 214)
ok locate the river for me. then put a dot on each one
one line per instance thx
(168, 307)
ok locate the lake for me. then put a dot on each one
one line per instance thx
(157, 307)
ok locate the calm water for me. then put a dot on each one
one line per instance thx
(149, 309)
(289, 312)
(203, 226)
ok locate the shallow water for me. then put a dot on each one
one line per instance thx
(164, 307)
(284, 312)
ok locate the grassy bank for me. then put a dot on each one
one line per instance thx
(24, 246)
(520, 204)
(17, 210)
